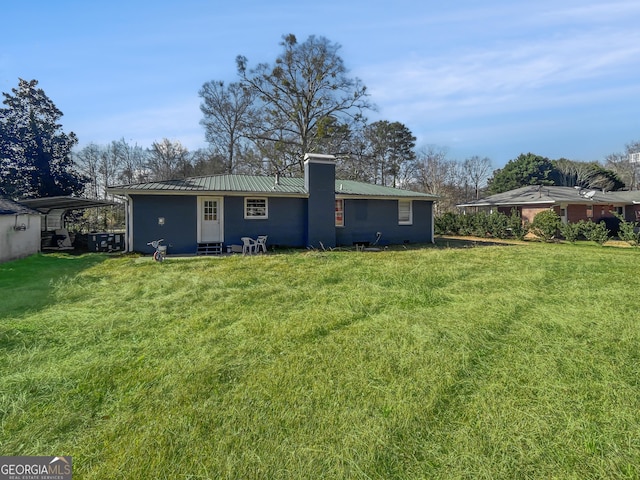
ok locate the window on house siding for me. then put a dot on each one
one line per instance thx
(589, 211)
(339, 212)
(405, 212)
(255, 208)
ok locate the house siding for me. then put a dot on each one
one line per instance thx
(507, 210)
(575, 213)
(529, 212)
(363, 218)
(180, 222)
(16, 244)
(285, 224)
(632, 213)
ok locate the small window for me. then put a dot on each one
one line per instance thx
(405, 213)
(589, 211)
(255, 208)
(339, 212)
(210, 210)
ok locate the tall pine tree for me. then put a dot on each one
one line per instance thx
(35, 154)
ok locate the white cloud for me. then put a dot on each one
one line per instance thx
(597, 12)
(538, 73)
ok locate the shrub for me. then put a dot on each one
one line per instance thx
(465, 224)
(516, 226)
(498, 225)
(446, 224)
(571, 231)
(596, 232)
(480, 225)
(545, 225)
(628, 231)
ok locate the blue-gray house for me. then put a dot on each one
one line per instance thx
(209, 213)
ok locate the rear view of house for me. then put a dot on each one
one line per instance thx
(212, 212)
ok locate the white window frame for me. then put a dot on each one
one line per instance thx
(403, 218)
(339, 201)
(252, 211)
(210, 210)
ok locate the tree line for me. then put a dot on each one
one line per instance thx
(264, 123)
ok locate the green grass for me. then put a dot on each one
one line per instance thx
(519, 361)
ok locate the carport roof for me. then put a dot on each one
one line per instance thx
(9, 207)
(48, 204)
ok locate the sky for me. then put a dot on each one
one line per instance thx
(494, 78)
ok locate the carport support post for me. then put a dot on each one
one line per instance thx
(128, 223)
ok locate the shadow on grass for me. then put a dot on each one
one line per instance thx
(27, 284)
(472, 242)
(441, 242)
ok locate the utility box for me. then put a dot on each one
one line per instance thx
(106, 242)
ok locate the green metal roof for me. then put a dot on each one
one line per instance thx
(351, 187)
(242, 184)
(218, 183)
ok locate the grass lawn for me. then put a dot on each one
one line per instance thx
(501, 361)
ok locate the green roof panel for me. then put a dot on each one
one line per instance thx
(289, 186)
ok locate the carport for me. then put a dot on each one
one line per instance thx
(55, 235)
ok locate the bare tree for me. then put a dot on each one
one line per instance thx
(228, 114)
(356, 165)
(132, 161)
(206, 162)
(621, 164)
(439, 176)
(306, 90)
(88, 160)
(109, 166)
(477, 171)
(168, 160)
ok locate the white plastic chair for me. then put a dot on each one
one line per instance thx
(249, 245)
(261, 244)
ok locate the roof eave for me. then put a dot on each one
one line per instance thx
(507, 204)
(213, 193)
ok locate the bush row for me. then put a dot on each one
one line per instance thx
(481, 224)
(546, 225)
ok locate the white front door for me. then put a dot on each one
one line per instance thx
(209, 219)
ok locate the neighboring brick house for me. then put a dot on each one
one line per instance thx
(571, 204)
